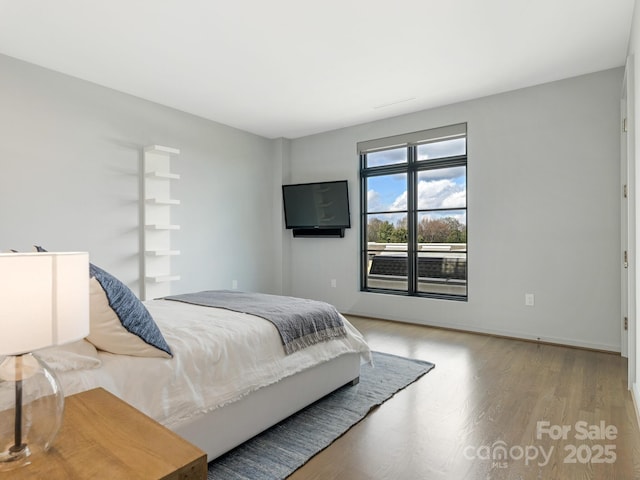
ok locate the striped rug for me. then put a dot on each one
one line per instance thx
(285, 447)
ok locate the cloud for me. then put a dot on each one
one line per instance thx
(455, 200)
(373, 200)
(375, 203)
(400, 203)
(442, 193)
(387, 157)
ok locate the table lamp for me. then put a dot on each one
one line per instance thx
(44, 301)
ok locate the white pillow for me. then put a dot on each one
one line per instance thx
(119, 322)
(80, 355)
(107, 332)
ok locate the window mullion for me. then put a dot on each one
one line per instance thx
(363, 224)
(412, 264)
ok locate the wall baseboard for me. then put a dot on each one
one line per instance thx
(635, 396)
(566, 342)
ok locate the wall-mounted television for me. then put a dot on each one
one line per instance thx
(317, 209)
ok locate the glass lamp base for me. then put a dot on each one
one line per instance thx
(14, 458)
(31, 407)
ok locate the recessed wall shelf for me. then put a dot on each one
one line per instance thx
(163, 175)
(162, 253)
(162, 201)
(162, 278)
(157, 204)
(159, 226)
(162, 150)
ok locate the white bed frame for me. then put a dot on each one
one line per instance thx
(222, 429)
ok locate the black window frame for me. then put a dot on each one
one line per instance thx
(412, 167)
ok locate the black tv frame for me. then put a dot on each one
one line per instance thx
(319, 231)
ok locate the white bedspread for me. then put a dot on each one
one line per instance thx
(219, 357)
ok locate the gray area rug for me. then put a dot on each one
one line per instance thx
(285, 447)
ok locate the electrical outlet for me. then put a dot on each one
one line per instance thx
(234, 284)
(529, 299)
(334, 283)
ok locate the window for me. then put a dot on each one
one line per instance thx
(414, 213)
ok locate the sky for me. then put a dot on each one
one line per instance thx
(439, 188)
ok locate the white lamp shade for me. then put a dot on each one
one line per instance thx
(44, 300)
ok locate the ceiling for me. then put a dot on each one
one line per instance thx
(290, 68)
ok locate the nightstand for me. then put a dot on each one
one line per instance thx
(103, 437)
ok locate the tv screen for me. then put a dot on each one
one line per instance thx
(316, 205)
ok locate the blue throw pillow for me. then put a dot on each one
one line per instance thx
(120, 323)
(131, 312)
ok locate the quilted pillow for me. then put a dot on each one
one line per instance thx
(119, 322)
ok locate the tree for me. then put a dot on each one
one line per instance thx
(386, 232)
(441, 230)
(373, 230)
(399, 235)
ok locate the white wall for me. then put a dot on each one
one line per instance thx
(542, 187)
(543, 215)
(69, 160)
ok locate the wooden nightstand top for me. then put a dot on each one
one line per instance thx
(103, 437)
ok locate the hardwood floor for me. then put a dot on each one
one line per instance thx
(486, 393)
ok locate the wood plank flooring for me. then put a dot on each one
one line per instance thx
(488, 396)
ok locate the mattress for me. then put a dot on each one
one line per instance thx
(219, 356)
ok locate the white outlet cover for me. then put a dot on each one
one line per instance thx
(529, 299)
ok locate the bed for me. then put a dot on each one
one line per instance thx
(226, 378)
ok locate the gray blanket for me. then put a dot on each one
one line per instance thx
(301, 322)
